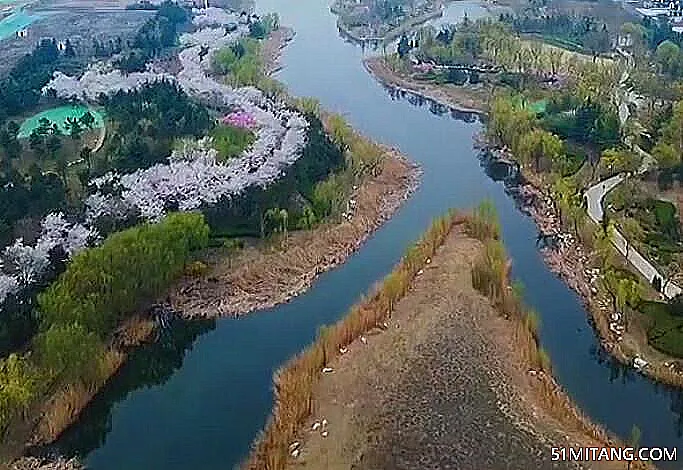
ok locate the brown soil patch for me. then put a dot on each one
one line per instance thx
(466, 99)
(444, 386)
(272, 48)
(258, 278)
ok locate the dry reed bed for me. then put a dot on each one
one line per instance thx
(295, 381)
(258, 278)
(491, 276)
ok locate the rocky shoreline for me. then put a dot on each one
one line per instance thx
(273, 46)
(568, 257)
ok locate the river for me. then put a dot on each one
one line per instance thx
(198, 398)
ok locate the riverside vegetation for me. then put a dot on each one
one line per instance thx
(296, 382)
(570, 119)
(88, 309)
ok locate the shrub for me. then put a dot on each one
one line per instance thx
(483, 223)
(294, 382)
(196, 269)
(69, 352)
(102, 285)
(18, 386)
(231, 141)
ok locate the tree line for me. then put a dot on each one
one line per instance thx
(145, 122)
(100, 287)
(20, 91)
(585, 31)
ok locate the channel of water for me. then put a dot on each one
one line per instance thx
(198, 398)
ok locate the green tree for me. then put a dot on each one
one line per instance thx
(669, 148)
(103, 285)
(87, 120)
(18, 387)
(618, 160)
(633, 231)
(537, 145)
(403, 47)
(69, 352)
(74, 127)
(668, 57)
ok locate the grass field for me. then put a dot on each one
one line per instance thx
(666, 329)
(58, 116)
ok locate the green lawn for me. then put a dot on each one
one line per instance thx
(666, 329)
(58, 116)
(231, 141)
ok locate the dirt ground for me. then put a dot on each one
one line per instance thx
(260, 278)
(442, 388)
(466, 99)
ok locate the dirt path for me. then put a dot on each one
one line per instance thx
(443, 387)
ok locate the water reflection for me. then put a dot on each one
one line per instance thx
(148, 366)
(435, 107)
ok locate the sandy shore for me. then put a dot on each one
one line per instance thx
(444, 386)
(261, 278)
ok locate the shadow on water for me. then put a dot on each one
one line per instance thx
(150, 365)
(436, 108)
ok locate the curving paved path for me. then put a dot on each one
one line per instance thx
(594, 197)
(596, 193)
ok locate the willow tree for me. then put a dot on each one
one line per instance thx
(669, 148)
(538, 145)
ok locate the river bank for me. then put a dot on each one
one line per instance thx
(267, 277)
(359, 37)
(272, 49)
(570, 259)
(264, 276)
(444, 382)
(467, 100)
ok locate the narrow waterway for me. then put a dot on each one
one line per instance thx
(199, 398)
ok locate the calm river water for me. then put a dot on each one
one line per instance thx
(198, 398)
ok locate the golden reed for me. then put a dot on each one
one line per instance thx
(295, 381)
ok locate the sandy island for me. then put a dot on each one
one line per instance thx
(444, 386)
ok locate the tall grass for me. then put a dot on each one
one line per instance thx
(295, 382)
(491, 276)
(483, 224)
